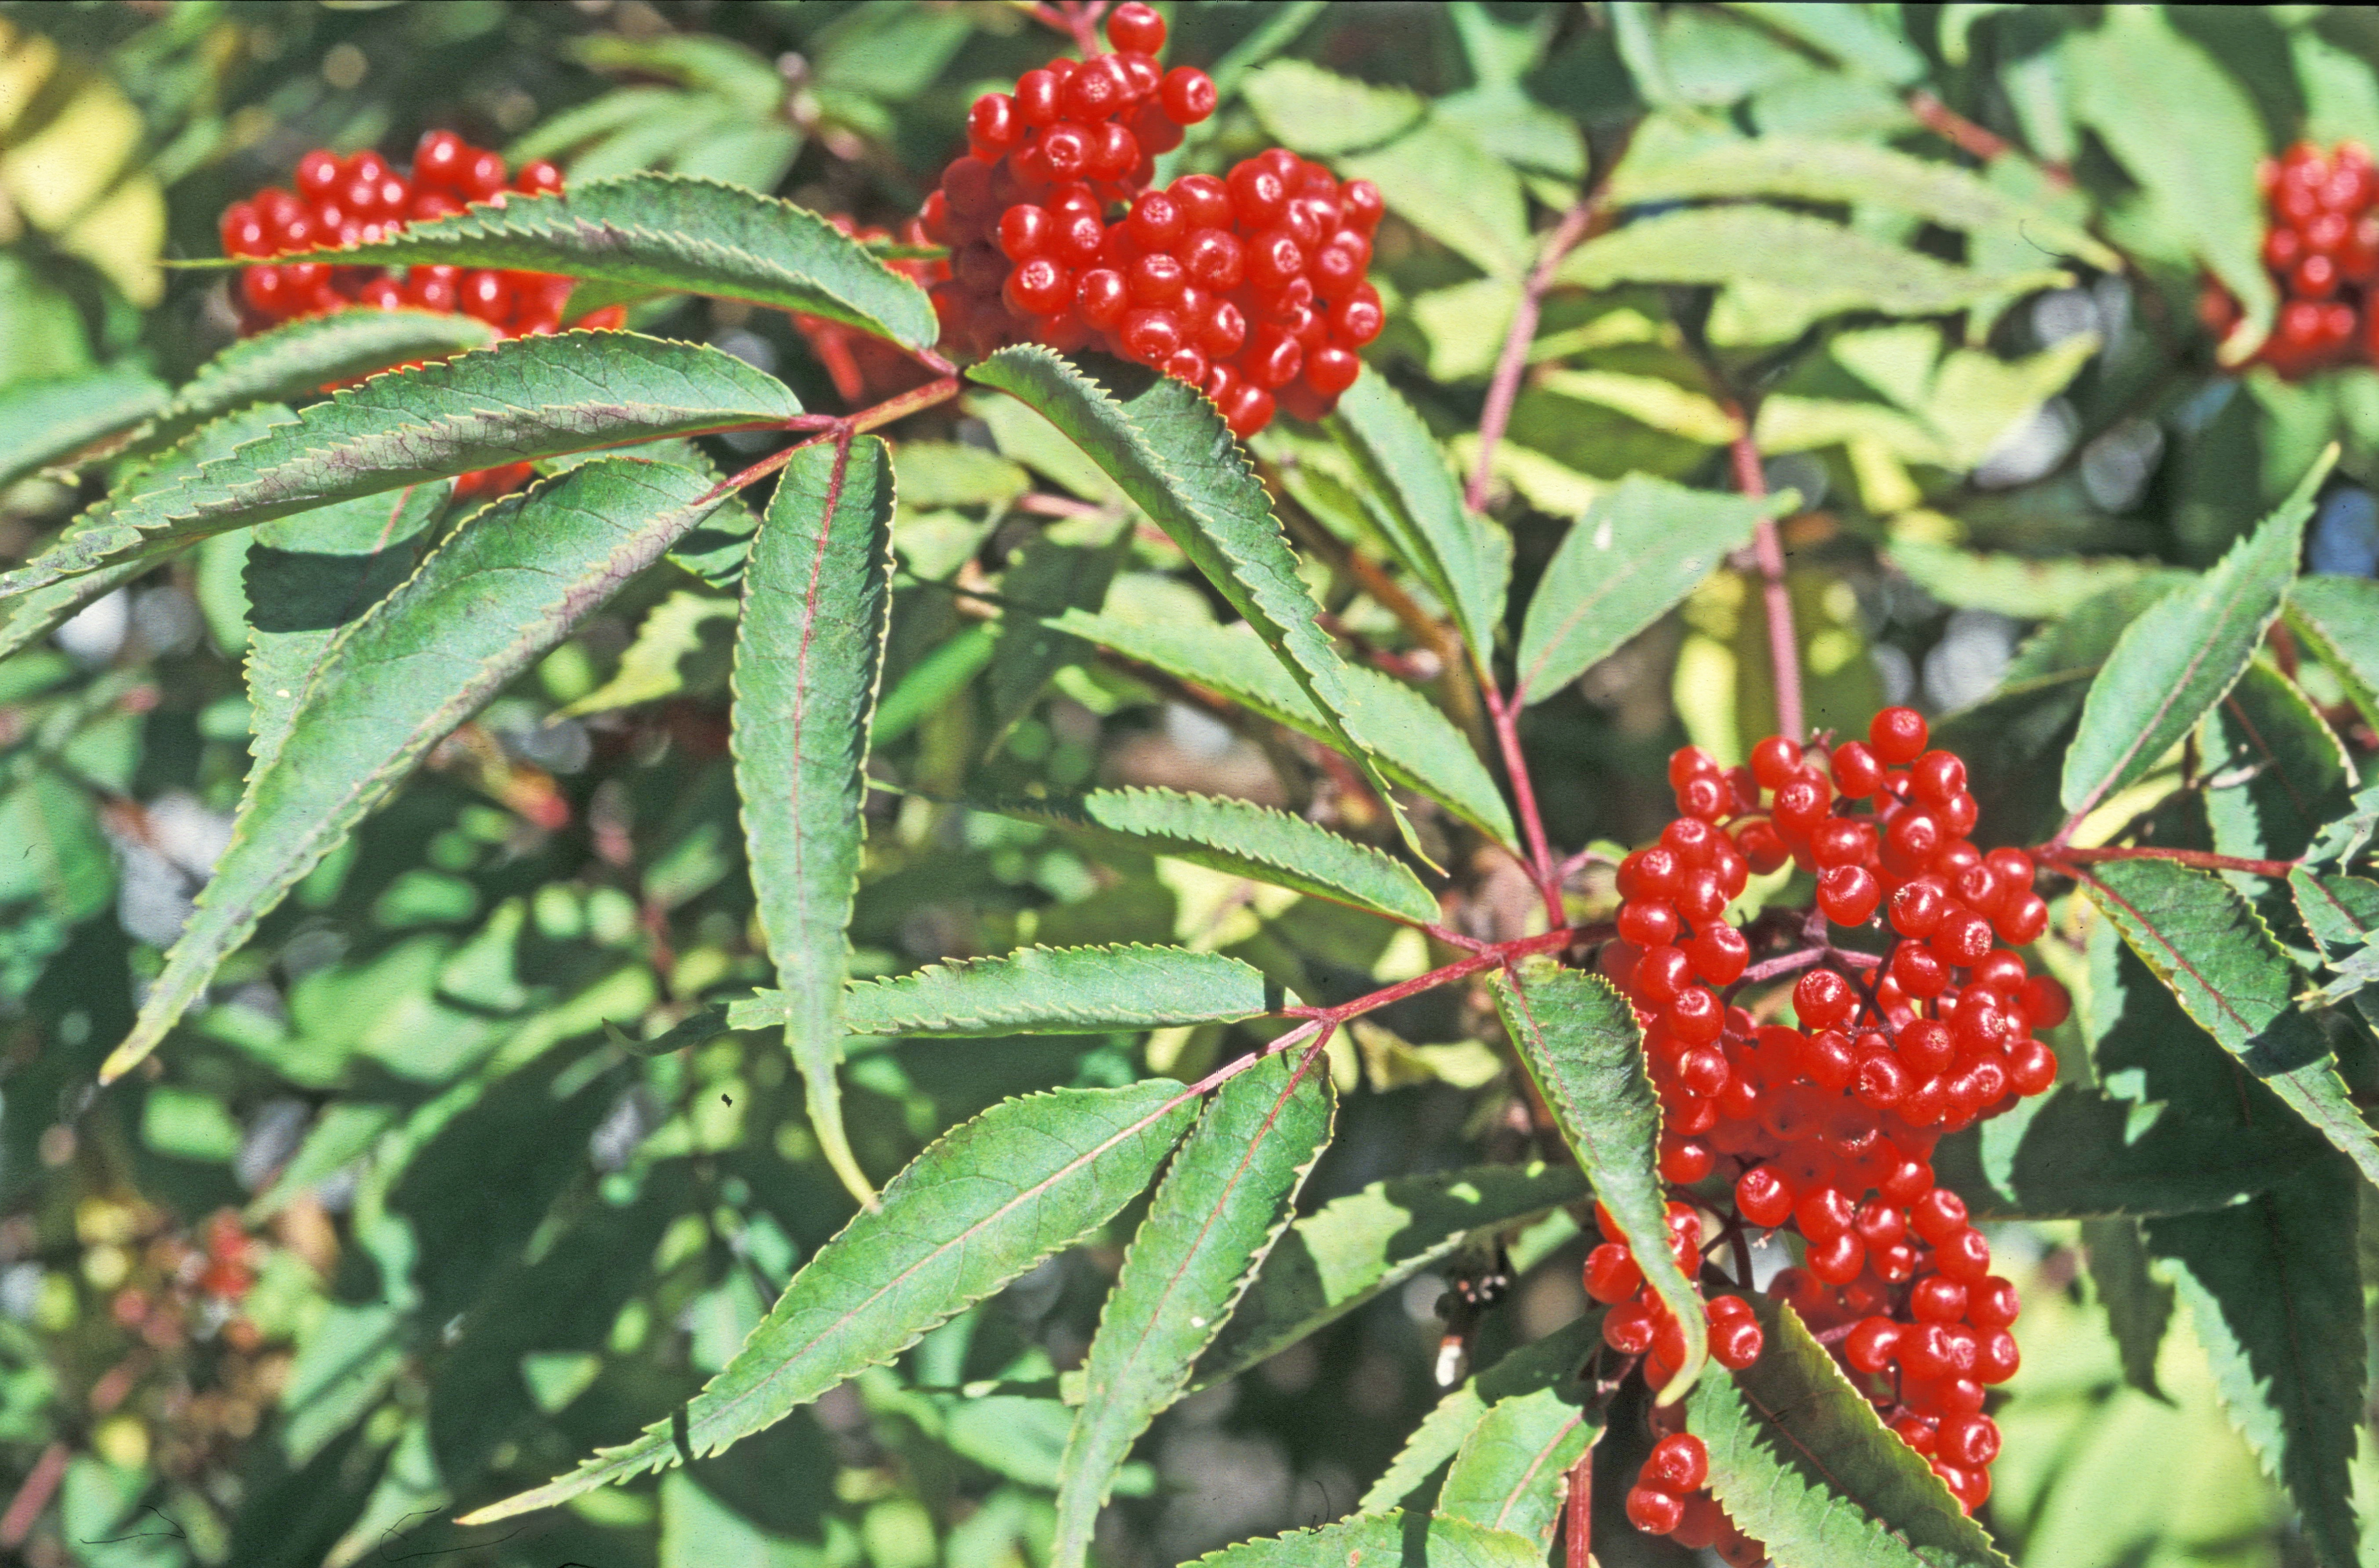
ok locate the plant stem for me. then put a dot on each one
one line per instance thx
(1969, 138)
(1577, 1513)
(1504, 388)
(2064, 856)
(1767, 549)
(1506, 719)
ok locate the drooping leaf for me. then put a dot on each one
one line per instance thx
(2218, 959)
(2139, 1306)
(1244, 839)
(293, 361)
(1418, 745)
(1584, 1053)
(673, 234)
(2338, 618)
(1164, 443)
(1385, 1540)
(1046, 991)
(1436, 535)
(985, 1202)
(525, 398)
(1229, 1194)
(1828, 268)
(1828, 172)
(1802, 1462)
(2276, 1300)
(1512, 1471)
(2178, 659)
(1353, 1247)
(2275, 771)
(1551, 1364)
(818, 605)
(2082, 1155)
(1644, 546)
(500, 590)
(44, 421)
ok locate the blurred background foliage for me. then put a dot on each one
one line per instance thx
(404, 1224)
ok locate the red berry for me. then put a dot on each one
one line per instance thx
(1654, 1512)
(1150, 336)
(1187, 95)
(1849, 895)
(1762, 1198)
(1678, 1464)
(1898, 736)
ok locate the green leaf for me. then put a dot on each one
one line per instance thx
(1854, 36)
(2342, 915)
(502, 589)
(1046, 991)
(675, 234)
(1241, 838)
(818, 605)
(1645, 546)
(2024, 587)
(1847, 173)
(1385, 1540)
(1045, 579)
(1220, 1209)
(1438, 178)
(1584, 1053)
(27, 617)
(1447, 546)
(1828, 268)
(292, 362)
(1320, 112)
(2342, 841)
(44, 422)
(933, 680)
(1419, 746)
(676, 637)
(1162, 442)
(2178, 659)
(1512, 1472)
(2276, 1300)
(1801, 1462)
(2338, 618)
(2275, 770)
(2218, 959)
(1554, 1363)
(1353, 1247)
(2082, 1155)
(985, 1202)
(2139, 1306)
(525, 398)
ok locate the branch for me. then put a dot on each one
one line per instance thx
(1504, 388)
(2064, 857)
(1542, 868)
(1767, 549)
(1969, 138)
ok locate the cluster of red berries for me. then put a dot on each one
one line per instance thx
(1828, 1129)
(1248, 288)
(1669, 1496)
(2321, 250)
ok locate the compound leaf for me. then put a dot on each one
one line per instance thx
(1060, 990)
(2178, 659)
(676, 234)
(525, 398)
(45, 421)
(1802, 1462)
(1218, 1211)
(984, 1202)
(1585, 1051)
(505, 586)
(1643, 547)
(1162, 442)
(809, 653)
(2338, 618)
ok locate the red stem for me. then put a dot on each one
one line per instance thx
(1577, 1526)
(2066, 856)
(41, 1485)
(1969, 138)
(1504, 388)
(1506, 719)
(1767, 549)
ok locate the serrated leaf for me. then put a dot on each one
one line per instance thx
(680, 235)
(45, 421)
(505, 586)
(1320, 112)
(1828, 268)
(1552, 1363)
(1353, 1247)
(1440, 539)
(2024, 587)
(1385, 1540)
(1419, 746)
(2342, 841)
(1512, 1471)
(1243, 838)
(2178, 659)
(1584, 1053)
(2342, 914)
(1164, 443)
(1643, 548)
(1228, 1196)
(27, 617)
(2082, 1155)
(1801, 1462)
(525, 398)
(1048, 991)
(2220, 961)
(2276, 1300)
(2338, 618)
(294, 361)
(984, 1202)
(1827, 172)
(2275, 771)
(2138, 1305)
(809, 652)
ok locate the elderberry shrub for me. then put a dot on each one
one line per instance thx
(1825, 1127)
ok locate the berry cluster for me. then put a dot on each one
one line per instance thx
(1249, 287)
(1827, 1128)
(2321, 250)
(1669, 1499)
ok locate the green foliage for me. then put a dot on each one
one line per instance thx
(1061, 990)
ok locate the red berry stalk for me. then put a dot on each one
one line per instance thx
(1250, 288)
(2321, 250)
(1826, 1128)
